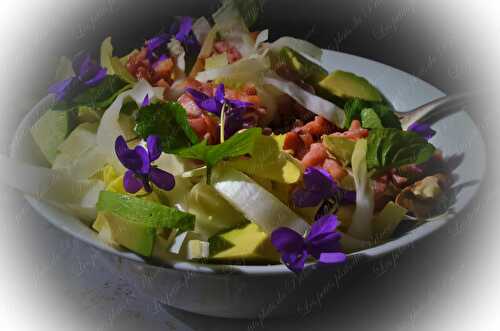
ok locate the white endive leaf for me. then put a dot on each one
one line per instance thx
(308, 100)
(250, 69)
(262, 38)
(49, 185)
(361, 226)
(256, 203)
(201, 28)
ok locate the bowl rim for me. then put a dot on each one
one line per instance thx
(406, 239)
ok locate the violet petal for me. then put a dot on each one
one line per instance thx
(61, 89)
(211, 105)
(146, 102)
(129, 158)
(143, 156)
(303, 198)
(422, 129)
(240, 104)
(327, 243)
(287, 240)
(162, 179)
(318, 179)
(131, 183)
(332, 258)
(295, 261)
(99, 76)
(220, 94)
(186, 25)
(348, 197)
(325, 225)
(198, 96)
(154, 147)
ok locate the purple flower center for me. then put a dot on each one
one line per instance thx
(234, 110)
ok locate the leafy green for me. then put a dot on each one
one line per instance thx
(238, 145)
(341, 147)
(354, 108)
(370, 119)
(168, 121)
(97, 97)
(144, 212)
(390, 148)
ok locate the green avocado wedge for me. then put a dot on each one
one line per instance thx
(136, 237)
(307, 70)
(346, 85)
(144, 212)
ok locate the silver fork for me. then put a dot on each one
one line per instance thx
(439, 107)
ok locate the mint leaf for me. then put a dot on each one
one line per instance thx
(391, 148)
(370, 119)
(354, 108)
(97, 97)
(238, 145)
(169, 121)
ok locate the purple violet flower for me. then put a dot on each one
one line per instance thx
(146, 102)
(422, 129)
(141, 173)
(319, 186)
(322, 243)
(182, 31)
(88, 74)
(234, 111)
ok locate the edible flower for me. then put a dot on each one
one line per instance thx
(234, 110)
(322, 243)
(181, 31)
(146, 102)
(88, 74)
(422, 129)
(141, 173)
(319, 186)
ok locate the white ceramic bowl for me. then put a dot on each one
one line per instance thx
(261, 291)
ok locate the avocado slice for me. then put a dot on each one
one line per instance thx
(139, 238)
(247, 244)
(307, 70)
(50, 131)
(346, 85)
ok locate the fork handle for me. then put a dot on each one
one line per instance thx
(438, 107)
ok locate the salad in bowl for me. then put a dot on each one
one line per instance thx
(210, 143)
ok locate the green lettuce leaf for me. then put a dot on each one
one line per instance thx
(354, 108)
(168, 121)
(391, 148)
(370, 119)
(341, 147)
